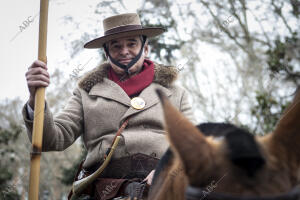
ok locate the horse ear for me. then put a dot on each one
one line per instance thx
(287, 131)
(186, 140)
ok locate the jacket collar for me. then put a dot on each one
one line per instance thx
(163, 78)
(163, 75)
(116, 93)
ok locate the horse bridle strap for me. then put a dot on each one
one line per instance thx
(194, 193)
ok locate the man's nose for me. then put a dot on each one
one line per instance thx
(124, 51)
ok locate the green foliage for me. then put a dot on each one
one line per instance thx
(267, 111)
(9, 193)
(7, 137)
(269, 108)
(279, 60)
(159, 47)
(69, 173)
(296, 7)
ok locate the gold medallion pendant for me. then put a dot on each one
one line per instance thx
(138, 103)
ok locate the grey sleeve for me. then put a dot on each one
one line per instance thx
(61, 131)
(186, 108)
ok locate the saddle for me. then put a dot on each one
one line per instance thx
(122, 177)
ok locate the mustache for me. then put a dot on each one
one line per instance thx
(125, 58)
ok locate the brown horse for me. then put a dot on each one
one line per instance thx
(220, 161)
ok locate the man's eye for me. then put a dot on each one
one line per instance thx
(132, 44)
(116, 46)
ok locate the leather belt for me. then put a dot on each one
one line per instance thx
(135, 166)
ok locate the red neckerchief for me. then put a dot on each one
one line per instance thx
(135, 84)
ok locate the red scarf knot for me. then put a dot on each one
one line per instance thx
(135, 84)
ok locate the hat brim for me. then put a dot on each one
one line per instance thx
(98, 42)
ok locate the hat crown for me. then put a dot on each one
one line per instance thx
(120, 26)
(121, 20)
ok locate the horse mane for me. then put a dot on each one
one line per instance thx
(216, 129)
(208, 129)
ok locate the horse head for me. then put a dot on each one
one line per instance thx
(222, 161)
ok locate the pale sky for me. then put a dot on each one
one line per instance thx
(20, 48)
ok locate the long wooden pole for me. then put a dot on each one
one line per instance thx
(39, 106)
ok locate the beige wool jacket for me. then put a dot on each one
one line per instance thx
(97, 109)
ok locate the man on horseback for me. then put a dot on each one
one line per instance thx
(115, 93)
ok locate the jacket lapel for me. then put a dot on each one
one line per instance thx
(96, 83)
(150, 97)
(110, 90)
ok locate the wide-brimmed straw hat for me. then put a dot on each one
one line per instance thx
(123, 25)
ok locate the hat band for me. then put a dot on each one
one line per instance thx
(122, 29)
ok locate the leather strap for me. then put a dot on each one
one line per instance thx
(123, 126)
(81, 173)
